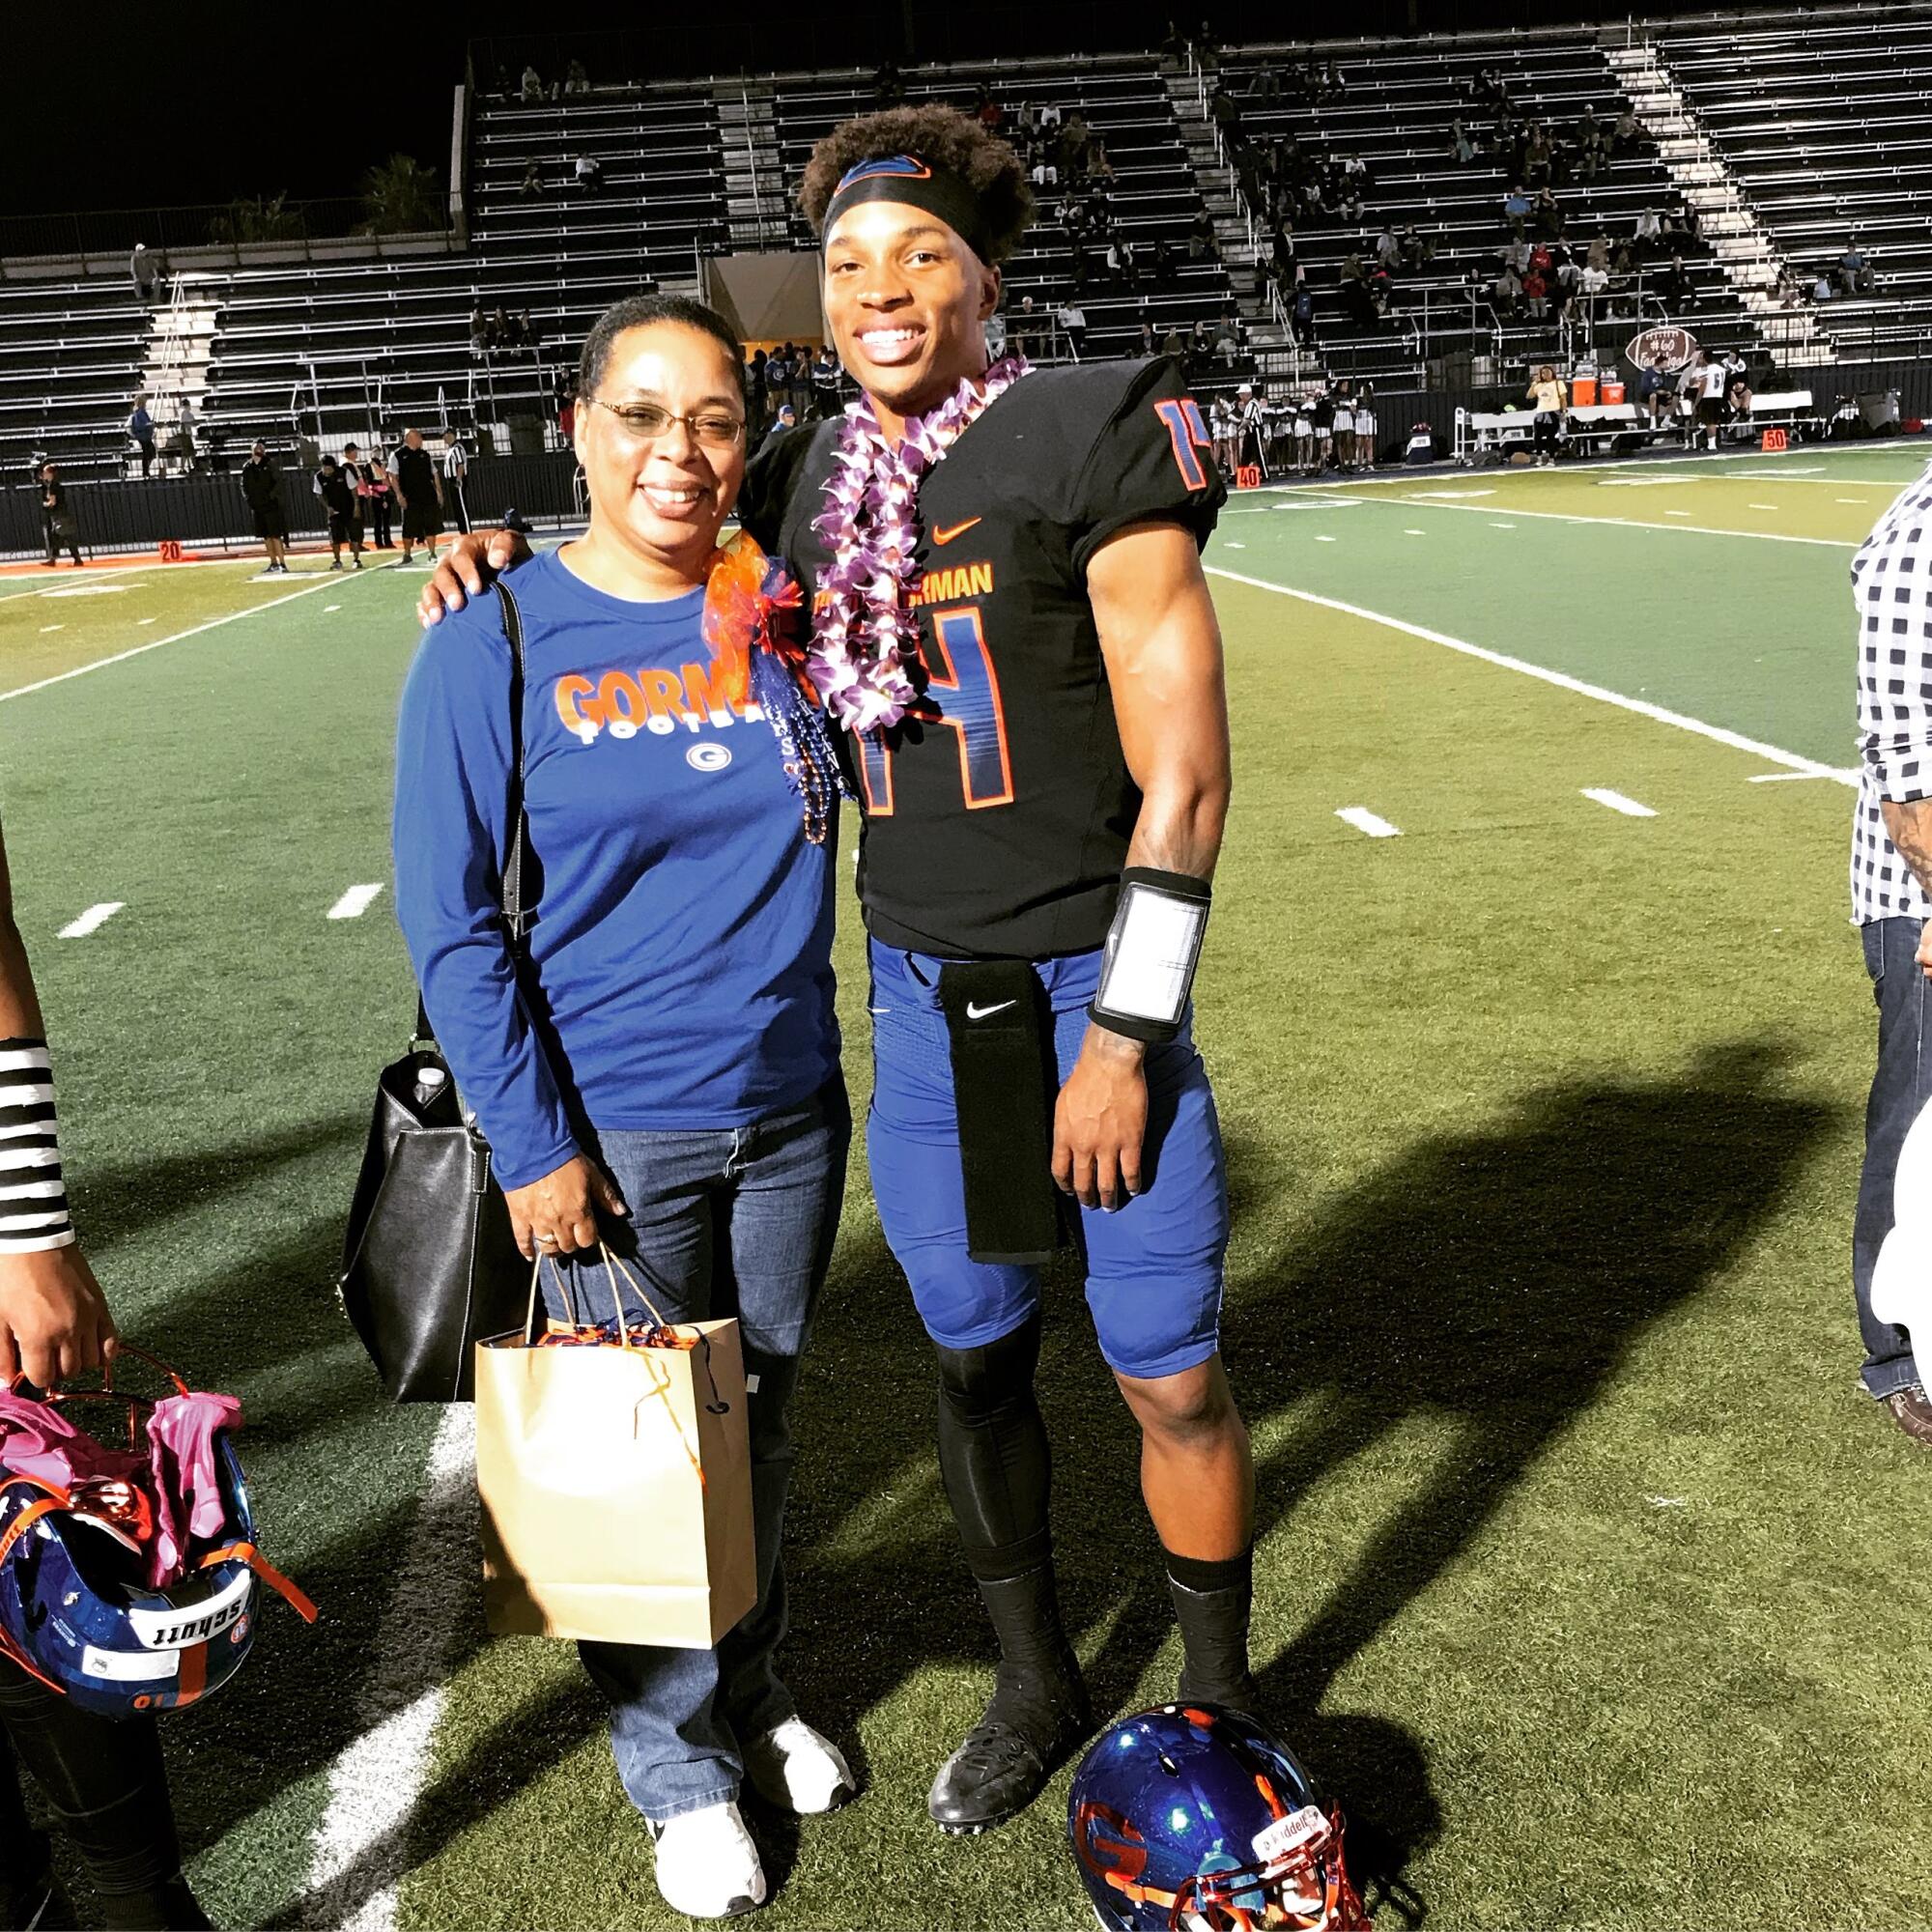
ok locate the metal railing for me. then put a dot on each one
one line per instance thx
(225, 224)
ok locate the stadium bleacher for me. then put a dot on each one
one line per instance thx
(1822, 123)
(1805, 120)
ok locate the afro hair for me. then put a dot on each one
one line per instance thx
(937, 134)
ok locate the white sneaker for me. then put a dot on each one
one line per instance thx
(707, 1864)
(797, 1770)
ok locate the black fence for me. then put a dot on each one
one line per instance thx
(209, 512)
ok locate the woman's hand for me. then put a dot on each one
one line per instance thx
(53, 1317)
(558, 1215)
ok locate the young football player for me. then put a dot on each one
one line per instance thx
(1011, 625)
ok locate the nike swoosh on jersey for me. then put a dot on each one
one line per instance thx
(957, 530)
(973, 1013)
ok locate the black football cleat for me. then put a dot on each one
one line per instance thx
(1031, 1727)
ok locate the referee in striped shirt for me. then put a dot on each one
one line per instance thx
(455, 468)
(53, 1317)
(1891, 899)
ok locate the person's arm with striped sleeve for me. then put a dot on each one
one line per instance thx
(53, 1317)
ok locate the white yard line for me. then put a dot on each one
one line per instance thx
(357, 1853)
(1617, 802)
(355, 902)
(1718, 733)
(1620, 522)
(1365, 820)
(156, 643)
(92, 920)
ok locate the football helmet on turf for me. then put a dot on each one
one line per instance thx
(76, 1609)
(1191, 1818)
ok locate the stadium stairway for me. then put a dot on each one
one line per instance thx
(1744, 247)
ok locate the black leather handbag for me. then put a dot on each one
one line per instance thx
(430, 1264)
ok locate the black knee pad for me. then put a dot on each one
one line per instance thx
(978, 1385)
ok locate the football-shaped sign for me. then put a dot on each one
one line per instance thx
(1674, 347)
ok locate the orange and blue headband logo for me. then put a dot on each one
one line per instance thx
(903, 167)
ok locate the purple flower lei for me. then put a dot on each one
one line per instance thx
(865, 637)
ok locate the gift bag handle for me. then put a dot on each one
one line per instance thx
(717, 1405)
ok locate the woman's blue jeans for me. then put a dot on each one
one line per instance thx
(732, 1222)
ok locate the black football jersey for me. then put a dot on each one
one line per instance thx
(998, 813)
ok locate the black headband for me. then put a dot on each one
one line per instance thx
(906, 179)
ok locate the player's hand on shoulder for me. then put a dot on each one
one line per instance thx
(1099, 1121)
(468, 568)
(54, 1322)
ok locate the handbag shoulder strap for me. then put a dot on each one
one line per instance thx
(515, 916)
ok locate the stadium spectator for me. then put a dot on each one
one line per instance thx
(1201, 246)
(1626, 135)
(338, 502)
(1653, 393)
(1301, 315)
(376, 492)
(799, 384)
(1673, 287)
(1024, 329)
(1548, 396)
(262, 489)
(1462, 150)
(1506, 291)
(533, 182)
(455, 465)
(1649, 236)
(418, 496)
(986, 110)
(1536, 294)
(1388, 252)
(1162, 264)
(1892, 904)
(532, 87)
(825, 378)
(576, 79)
(1417, 251)
(1515, 211)
(785, 420)
(1072, 319)
(589, 172)
(185, 430)
(1547, 217)
(889, 85)
(58, 523)
(141, 271)
(481, 332)
(141, 433)
(1855, 275)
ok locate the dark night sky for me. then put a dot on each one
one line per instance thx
(109, 104)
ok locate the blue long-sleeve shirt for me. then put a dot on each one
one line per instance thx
(680, 963)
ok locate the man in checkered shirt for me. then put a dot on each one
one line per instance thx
(1891, 898)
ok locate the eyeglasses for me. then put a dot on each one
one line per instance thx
(647, 422)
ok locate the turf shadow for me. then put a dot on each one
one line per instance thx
(119, 1199)
(1500, 1278)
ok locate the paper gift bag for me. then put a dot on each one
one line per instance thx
(615, 1472)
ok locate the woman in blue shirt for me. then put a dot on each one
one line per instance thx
(662, 1069)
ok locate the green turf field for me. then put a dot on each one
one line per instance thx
(1587, 1580)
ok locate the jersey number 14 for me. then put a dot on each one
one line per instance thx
(968, 705)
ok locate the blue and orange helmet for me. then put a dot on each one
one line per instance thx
(1190, 1818)
(77, 1613)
